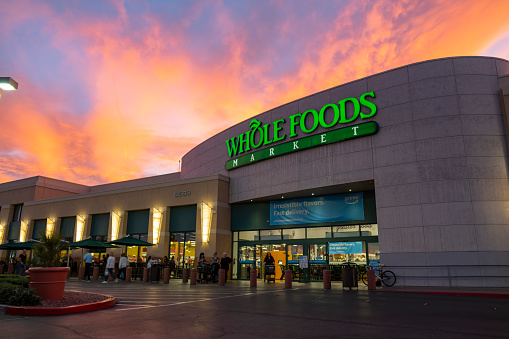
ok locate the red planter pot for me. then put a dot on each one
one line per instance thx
(48, 282)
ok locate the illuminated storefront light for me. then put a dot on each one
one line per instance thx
(2, 230)
(115, 225)
(50, 226)
(23, 230)
(206, 222)
(80, 227)
(157, 217)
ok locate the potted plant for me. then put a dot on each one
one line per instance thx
(48, 279)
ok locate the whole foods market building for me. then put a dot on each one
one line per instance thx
(408, 167)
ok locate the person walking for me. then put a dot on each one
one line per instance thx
(225, 265)
(110, 265)
(89, 259)
(122, 265)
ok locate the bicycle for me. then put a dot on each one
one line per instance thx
(388, 278)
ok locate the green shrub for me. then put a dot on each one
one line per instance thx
(17, 295)
(14, 279)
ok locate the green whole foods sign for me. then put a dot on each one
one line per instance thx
(259, 135)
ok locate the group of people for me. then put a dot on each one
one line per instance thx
(19, 263)
(216, 264)
(109, 262)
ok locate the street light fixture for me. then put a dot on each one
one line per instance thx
(7, 84)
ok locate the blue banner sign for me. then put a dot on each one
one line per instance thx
(354, 247)
(330, 208)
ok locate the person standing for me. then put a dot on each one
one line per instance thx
(122, 265)
(110, 265)
(225, 265)
(215, 266)
(22, 263)
(89, 259)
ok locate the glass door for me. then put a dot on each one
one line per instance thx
(317, 261)
(293, 253)
(246, 261)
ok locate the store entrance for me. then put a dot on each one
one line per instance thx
(277, 251)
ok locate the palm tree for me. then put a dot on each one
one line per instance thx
(48, 250)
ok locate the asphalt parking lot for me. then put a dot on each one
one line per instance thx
(179, 310)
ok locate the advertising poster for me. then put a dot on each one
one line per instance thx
(330, 208)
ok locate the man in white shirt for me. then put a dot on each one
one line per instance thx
(122, 265)
(110, 265)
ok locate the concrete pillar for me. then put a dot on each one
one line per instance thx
(166, 276)
(81, 273)
(193, 276)
(252, 278)
(128, 274)
(95, 273)
(222, 277)
(146, 272)
(371, 279)
(288, 279)
(185, 275)
(327, 279)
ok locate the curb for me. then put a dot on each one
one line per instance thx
(467, 294)
(38, 311)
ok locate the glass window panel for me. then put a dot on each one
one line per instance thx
(294, 233)
(346, 231)
(359, 258)
(235, 259)
(248, 235)
(319, 232)
(270, 235)
(369, 230)
(190, 248)
(318, 252)
(235, 236)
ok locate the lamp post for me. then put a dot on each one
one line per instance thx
(7, 84)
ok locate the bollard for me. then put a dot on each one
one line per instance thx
(166, 275)
(288, 279)
(193, 276)
(145, 274)
(95, 273)
(326, 279)
(10, 269)
(81, 273)
(252, 278)
(185, 275)
(128, 274)
(222, 277)
(371, 279)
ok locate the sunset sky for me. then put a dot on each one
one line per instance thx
(113, 90)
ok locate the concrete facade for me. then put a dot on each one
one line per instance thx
(439, 166)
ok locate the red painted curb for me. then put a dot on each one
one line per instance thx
(468, 294)
(20, 310)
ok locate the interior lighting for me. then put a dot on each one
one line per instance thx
(115, 225)
(349, 190)
(206, 222)
(80, 227)
(157, 217)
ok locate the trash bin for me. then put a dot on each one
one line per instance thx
(155, 274)
(349, 275)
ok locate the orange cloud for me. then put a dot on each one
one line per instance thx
(152, 92)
